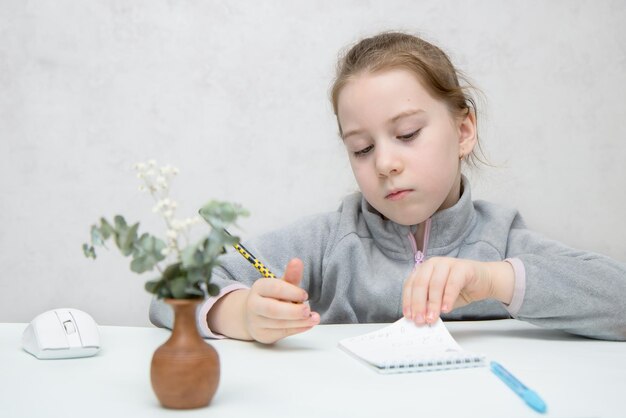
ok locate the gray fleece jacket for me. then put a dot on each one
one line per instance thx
(355, 263)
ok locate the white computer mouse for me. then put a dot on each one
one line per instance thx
(62, 333)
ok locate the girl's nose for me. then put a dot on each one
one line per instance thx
(387, 162)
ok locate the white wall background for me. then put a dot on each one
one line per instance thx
(234, 93)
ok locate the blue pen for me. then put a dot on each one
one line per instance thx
(529, 396)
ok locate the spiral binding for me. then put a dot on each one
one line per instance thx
(448, 363)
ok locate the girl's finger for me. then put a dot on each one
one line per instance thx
(456, 282)
(280, 290)
(293, 271)
(420, 292)
(281, 324)
(274, 309)
(435, 291)
(407, 291)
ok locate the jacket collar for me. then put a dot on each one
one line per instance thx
(448, 228)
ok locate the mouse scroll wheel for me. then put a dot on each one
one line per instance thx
(69, 327)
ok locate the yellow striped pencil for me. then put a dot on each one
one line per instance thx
(253, 260)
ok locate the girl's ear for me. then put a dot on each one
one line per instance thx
(467, 134)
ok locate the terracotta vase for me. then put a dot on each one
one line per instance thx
(185, 370)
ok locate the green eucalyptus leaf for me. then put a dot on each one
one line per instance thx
(177, 287)
(106, 229)
(221, 214)
(164, 292)
(120, 223)
(125, 236)
(89, 251)
(195, 276)
(222, 237)
(213, 289)
(97, 237)
(191, 256)
(204, 252)
(140, 265)
(214, 246)
(147, 253)
(172, 271)
(128, 242)
(192, 291)
(153, 286)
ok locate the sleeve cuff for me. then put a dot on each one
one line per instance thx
(520, 286)
(204, 309)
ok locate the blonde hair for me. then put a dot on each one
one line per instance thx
(429, 63)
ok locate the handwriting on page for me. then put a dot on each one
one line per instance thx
(424, 340)
(404, 346)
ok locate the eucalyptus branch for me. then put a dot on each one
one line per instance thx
(189, 274)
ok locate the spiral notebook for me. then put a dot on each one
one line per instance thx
(405, 347)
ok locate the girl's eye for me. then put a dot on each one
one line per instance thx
(410, 136)
(364, 151)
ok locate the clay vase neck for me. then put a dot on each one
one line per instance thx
(185, 369)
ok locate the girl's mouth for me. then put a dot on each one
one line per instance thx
(398, 194)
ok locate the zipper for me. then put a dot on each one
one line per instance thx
(420, 256)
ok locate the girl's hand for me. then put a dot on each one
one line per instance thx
(441, 284)
(275, 309)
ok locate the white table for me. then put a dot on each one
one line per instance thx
(308, 376)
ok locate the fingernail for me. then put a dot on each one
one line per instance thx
(306, 312)
(419, 318)
(315, 317)
(306, 296)
(444, 307)
(407, 312)
(430, 316)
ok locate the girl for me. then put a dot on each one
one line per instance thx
(412, 243)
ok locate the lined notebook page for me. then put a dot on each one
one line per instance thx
(406, 347)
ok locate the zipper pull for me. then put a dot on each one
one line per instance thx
(419, 257)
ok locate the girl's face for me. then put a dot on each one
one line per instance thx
(404, 146)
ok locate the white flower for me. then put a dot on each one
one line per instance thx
(168, 170)
(159, 206)
(157, 180)
(191, 221)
